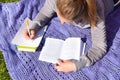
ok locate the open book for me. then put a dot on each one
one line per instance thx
(55, 49)
(24, 44)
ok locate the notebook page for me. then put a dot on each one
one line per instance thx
(19, 38)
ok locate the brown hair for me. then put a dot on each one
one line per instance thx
(78, 9)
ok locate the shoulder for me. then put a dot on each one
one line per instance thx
(104, 7)
(50, 4)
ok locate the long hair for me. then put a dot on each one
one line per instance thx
(78, 9)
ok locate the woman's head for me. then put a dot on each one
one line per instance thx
(71, 10)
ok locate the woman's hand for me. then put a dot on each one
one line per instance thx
(65, 66)
(27, 36)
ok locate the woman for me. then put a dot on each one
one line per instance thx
(81, 13)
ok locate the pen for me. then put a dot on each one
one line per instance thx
(83, 51)
(27, 23)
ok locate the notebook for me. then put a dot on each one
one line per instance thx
(24, 44)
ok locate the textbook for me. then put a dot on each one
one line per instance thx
(55, 49)
(24, 44)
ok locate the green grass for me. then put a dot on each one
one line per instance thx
(6, 1)
(3, 71)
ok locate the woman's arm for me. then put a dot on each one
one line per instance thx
(98, 49)
(99, 46)
(45, 14)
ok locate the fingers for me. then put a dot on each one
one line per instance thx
(58, 65)
(27, 36)
(25, 33)
(60, 61)
(65, 66)
(32, 33)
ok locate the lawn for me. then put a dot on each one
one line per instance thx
(3, 71)
(5, 1)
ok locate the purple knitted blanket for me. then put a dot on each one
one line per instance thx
(26, 66)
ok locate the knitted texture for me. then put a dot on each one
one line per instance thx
(26, 66)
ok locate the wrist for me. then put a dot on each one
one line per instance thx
(79, 64)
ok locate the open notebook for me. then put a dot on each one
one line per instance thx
(24, 44)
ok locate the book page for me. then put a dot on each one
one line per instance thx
(51, 50)
(71, 49)
(20, 40)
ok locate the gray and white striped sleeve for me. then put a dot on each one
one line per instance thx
(99, 45)
(98, 49)
(45, 14)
